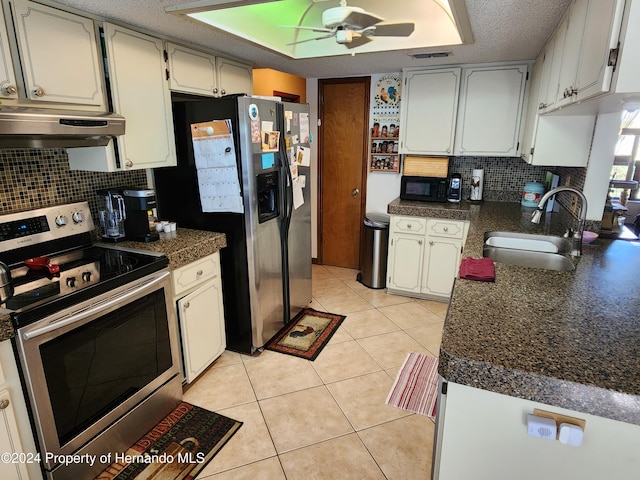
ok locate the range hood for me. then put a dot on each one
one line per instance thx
(26, 127)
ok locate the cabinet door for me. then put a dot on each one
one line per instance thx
(429, 110)
(531, 111)
(201, 318)
(553, 84)
(602, 28)
(10, 439)
(441, 264)
(8, 86)
(191, 71)
(140, 94)
(59, 55)
(234, 77)
(545, 74)
(404, 266)
(562, 140)
(490, 112)
(571, 53)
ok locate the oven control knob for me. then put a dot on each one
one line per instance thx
(71, 282)
(61, 220)
(78, 217)
(86, 276)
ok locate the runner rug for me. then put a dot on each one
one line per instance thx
(416, 386)
(178, 447)
(306, 335)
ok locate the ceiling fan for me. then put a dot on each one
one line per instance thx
(353, 26)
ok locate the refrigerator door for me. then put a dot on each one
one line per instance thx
(262, 196)
(298, 236)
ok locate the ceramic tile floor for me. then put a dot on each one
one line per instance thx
(327, 419)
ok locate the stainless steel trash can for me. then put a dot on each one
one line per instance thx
(373, 251)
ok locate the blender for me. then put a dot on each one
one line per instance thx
(113, 215)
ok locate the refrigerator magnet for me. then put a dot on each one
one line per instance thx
(254, 113)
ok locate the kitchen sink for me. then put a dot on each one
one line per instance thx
(548, 252)
(528, 241)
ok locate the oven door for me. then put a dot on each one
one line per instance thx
(87, 366)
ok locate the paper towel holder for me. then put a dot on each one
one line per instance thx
(476, 185)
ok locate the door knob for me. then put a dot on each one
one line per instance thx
(355, 192)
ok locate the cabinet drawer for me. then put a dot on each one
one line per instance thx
(414, 225)
(446, 228)
(195, 272)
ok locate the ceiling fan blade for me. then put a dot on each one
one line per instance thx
(311, 39)
(313, 29)
(361, 20)
(357, 42)
(394, 30)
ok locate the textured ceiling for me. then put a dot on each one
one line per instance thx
(503, 30)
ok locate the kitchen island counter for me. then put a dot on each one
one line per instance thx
(566, 339)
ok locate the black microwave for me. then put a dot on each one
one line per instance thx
(423, 189)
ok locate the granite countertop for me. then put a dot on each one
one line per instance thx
(181, 247)
(566, 339)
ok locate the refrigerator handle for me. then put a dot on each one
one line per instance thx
(287, 202)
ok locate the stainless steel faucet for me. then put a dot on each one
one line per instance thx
(576, 237)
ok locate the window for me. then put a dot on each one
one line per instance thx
(626, 164)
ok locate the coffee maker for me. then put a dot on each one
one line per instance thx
(112, 215)
(140, 204)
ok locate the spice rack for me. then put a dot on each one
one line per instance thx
(383, 146)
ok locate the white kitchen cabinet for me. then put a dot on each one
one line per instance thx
(550, 95)
(16, 435)
(234, 77)
(198, 294)
(59, 55)
(198, 73)
(489, 431)
(574, 28)
(141, 95)
(442, 256)
(8, 85)
(490, 110)
(429, 110)
(191, 71)
(10, 439)
(424, 256)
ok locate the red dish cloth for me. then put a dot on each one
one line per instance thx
(481, 269)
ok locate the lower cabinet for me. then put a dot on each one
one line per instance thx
(424, 255)
(198, 296)
(10, 441)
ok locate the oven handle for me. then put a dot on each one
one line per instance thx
(95, 308)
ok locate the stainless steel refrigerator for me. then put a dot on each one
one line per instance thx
(266, 266)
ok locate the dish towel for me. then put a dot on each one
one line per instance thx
(481, 269)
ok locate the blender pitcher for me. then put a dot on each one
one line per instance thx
(113, 216)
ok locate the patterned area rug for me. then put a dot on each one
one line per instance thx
(416, 386)
(178, 447)
(306, 335)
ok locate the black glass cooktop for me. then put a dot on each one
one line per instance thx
(83, 273)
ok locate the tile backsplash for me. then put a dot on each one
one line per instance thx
(39, 178)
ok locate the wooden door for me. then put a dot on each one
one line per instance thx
(342, 169)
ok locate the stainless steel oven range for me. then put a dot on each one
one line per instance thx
(96, 339)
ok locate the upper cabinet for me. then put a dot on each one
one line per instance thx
(429, 110)
(585, 53)
(490, 110)
(472, 110)
(59, 56)
(139, 93)
(8, 85)
(198, 73)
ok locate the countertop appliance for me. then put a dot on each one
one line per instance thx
(266, 266)
(112, 215)
(96, 341)
(423, 189)
(455, 188)
(139, 224)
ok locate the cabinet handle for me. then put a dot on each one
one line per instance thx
(541, 106)
(223, 92)
(10, 90)
(199, 273)
(446, 229)
(128, 164)
(430, 242)
(408, 225)
(4, 403)
(215, 90)
(448, 150)
(39, 92)
(419, 242)
(187, 305)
